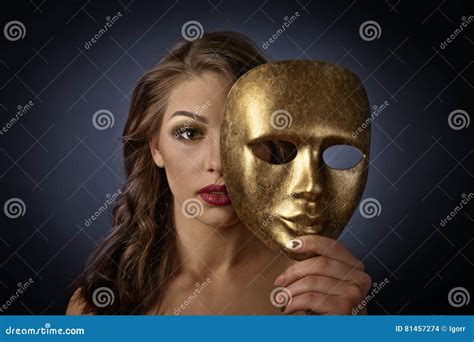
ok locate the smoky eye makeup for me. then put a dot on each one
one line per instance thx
(188, 132)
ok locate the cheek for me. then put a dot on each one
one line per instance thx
(182, 165)
(344, 190)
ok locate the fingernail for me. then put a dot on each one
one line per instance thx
(280, 279)
(294, 244)
(283, 308)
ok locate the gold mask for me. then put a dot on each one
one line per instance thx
(288, 127)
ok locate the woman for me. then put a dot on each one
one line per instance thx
(163, 258)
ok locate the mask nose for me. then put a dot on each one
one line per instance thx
(308, 175)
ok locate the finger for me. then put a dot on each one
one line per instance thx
(326, 267)
(324, 246)
(319, 303)
(321, 284)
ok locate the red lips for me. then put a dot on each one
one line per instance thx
(215, 195)
(213, 188)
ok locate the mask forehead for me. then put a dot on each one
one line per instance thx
(300, 99)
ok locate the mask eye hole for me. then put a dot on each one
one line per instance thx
(341, 157)
(274, 151)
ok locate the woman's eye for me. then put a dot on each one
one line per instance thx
(187, 133)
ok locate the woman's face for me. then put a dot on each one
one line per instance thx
(188, 148)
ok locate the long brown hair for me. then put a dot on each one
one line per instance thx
(129, 269)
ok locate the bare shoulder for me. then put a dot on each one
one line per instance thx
(76, 304)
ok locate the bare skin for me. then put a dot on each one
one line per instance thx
(222, 268)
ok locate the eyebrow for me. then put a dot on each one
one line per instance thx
(191, 115)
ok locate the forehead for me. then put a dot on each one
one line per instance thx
(203, 94)
(314, 99)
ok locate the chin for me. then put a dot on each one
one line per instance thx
(220, 217)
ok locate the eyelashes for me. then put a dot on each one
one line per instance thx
(188, 133)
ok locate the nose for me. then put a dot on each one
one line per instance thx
(213, 157)
(309, 174)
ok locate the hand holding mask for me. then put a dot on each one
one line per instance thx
(293, 153)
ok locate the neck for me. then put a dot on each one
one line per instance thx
(205, 250)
